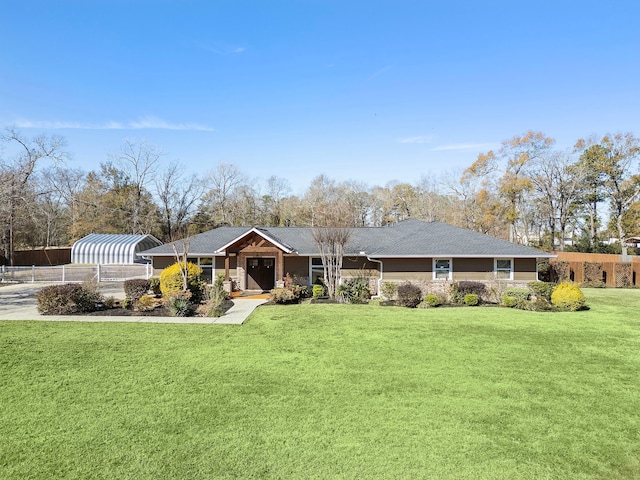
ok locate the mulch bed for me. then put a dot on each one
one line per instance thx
(159, 311)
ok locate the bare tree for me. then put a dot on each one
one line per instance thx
(138, 160)
(181, 257)
(178, 196)
(277, 190)
(331, 242)
(557, 181)
(15, 176)
(223, 180)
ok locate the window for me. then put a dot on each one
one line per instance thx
(442, 269)
(317, 270)
(504, 268)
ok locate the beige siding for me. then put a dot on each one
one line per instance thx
(476, 269)
(219, 263)
(403, 269)
(359, 266)
(297, 266)
(160, 263)
(524, 269)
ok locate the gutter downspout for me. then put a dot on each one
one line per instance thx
(381, 272)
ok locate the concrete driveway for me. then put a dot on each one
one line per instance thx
(19, 299)
(18, 302)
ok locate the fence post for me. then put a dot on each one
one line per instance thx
(3, 273)
(98, 273)
(33, 273)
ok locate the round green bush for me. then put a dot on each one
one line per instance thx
(432, 300)
(568, 296)
(318, 291)
(541, 289)
(515, 293)
(471, 299)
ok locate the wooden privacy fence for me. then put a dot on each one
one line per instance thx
(612, 270)
(42, 256)
(75, 273)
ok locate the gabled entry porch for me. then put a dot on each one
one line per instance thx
(259, 261)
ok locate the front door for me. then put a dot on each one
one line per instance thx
(260, 273)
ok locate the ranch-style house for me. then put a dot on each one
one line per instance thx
(259, 258)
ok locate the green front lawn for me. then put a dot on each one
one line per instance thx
(328, 391)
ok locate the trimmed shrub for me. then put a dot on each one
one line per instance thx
(135, 288)
(471, 299)
(319, 290)
(561, 270)
(154, 285)
(389, 290)
(354, 290)
(67, 299)
(545, 270)
(515, 297)
(180, 304)
(281, 295)
(109, 302)
(568, 296)
(300, 291)
(460, 289)
(409, 295)
(146, 303)
(432, 300)
(541, 289)
(171, 281)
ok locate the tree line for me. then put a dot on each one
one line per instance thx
(526, 191)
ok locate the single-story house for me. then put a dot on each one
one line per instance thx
(257, 258)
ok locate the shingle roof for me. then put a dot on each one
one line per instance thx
(409, 238)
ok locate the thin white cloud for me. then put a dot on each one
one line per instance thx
(416, 139)
(225, 49)
(380, 72)
(463, 146)
(144, 123)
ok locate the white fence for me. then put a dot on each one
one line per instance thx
(75, 273)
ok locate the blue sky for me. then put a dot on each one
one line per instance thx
(374, 91)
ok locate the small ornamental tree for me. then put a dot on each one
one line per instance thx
(331, 242)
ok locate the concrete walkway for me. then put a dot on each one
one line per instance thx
(17, 302)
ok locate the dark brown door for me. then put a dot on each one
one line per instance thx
(260, 273)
